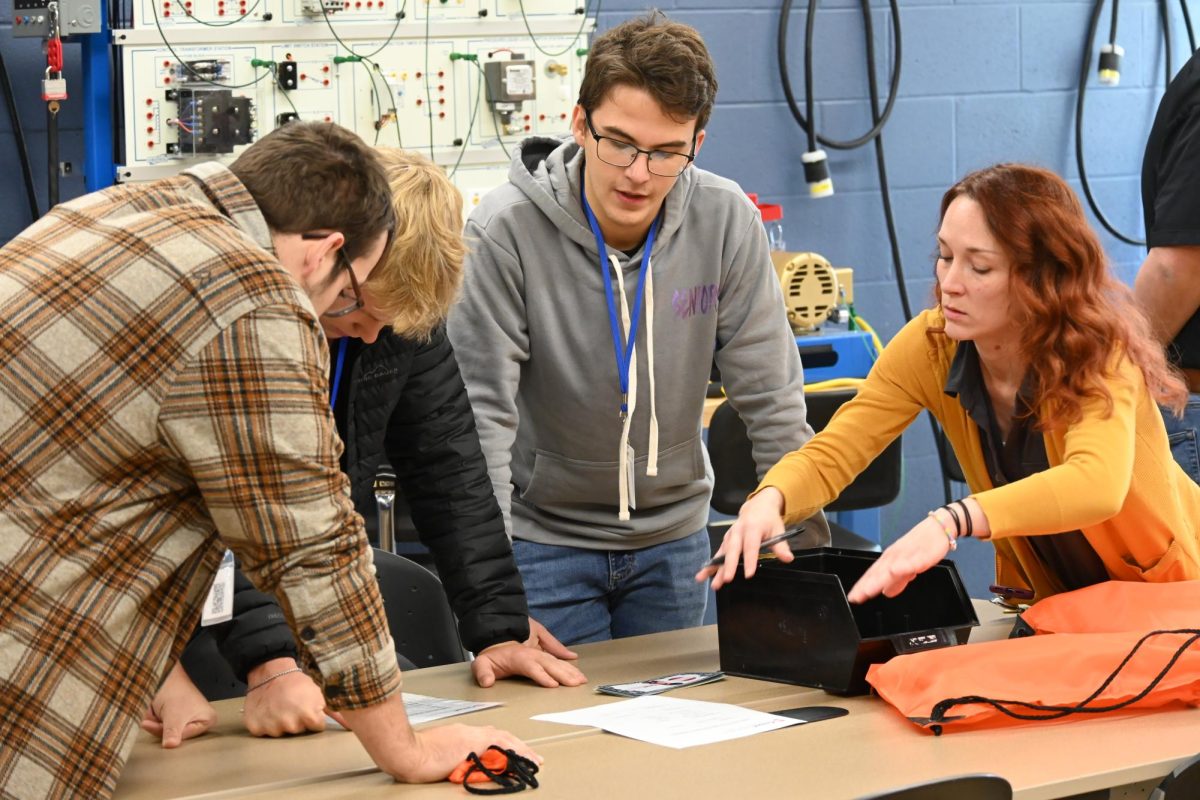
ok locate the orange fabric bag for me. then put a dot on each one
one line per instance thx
(1113, 648)
(1118, 606)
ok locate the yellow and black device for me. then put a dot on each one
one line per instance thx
(813, 289)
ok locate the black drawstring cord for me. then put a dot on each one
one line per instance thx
(516, 776)
(1058, 712)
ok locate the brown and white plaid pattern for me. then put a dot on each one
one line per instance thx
(162, 382)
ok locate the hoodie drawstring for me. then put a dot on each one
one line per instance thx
(624, 469)
(652, 455)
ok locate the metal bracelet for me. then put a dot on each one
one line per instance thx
(270, 678)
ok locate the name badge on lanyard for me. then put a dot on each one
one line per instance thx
(218, 606)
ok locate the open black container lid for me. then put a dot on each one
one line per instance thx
(792, 622)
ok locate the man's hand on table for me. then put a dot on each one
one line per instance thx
(541, 658)
(426, 756)
(178, 711)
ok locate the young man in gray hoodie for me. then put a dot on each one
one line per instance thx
(599, 281)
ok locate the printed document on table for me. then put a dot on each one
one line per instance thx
(423, 708)
(672, 722)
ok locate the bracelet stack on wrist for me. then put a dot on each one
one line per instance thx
(270, 678)
(967, 514)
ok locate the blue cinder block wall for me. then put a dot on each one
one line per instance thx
(982, 81)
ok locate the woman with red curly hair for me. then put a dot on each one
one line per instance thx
(1042, 372)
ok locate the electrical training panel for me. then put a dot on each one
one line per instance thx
(460, 81)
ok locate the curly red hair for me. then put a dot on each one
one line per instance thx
(1071, 311)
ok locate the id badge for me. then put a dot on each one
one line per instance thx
(218, 606)
(663, 683)
(631, 475)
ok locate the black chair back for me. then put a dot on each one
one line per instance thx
(735, 475)
(963, 787)
(418, 614)
(734, 472)
(1182, 784)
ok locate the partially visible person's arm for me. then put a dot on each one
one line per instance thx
(257, 644)
(256, 633)
(1168, 283)
(282, 700)
(757, 355)
(432, 443)
(1168, 288)
(259, 647)
(488, 329)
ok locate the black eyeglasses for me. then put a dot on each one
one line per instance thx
(663, 163)
(344, 262)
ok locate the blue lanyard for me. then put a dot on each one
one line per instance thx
(623, 360)
(343, 343)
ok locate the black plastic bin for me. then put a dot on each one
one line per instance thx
(792, 623)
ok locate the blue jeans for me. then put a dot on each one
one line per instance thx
(593, 595)
(1183, 435)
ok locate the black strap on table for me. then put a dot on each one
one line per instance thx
(517, 775)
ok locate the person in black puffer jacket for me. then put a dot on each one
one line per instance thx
(397, 399)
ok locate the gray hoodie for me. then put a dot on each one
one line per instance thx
(534, 342)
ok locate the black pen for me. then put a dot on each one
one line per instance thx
(717, 561)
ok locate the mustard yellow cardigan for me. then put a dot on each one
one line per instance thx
(1111, 476)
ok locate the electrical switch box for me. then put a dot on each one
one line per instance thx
(317, 8)
(210, 121)
(510, 81)
(31, 18)
(509, 84)
(288, 73)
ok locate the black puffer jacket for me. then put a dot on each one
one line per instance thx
(407, 403)
(404, 402)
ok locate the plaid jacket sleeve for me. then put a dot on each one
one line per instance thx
(250, 419)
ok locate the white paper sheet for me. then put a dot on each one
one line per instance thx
(423, 708)
(672, 722)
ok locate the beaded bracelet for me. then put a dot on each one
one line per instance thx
(270, 678)
(947, 530)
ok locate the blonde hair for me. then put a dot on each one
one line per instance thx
(425, 263)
